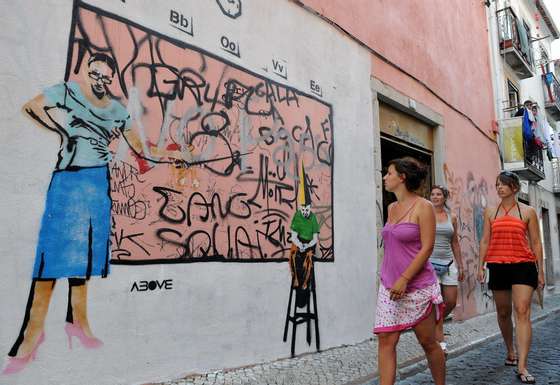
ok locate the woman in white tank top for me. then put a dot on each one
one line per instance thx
(446, 257)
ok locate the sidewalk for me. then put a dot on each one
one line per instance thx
(357, 364)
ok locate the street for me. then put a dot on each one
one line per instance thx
(485, 365)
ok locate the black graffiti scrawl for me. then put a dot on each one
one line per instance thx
(230, 8)
(211, 174)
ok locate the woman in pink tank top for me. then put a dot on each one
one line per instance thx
(409, 295)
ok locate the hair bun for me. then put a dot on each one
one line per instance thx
(415, 171)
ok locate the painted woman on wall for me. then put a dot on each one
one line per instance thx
(74, 236)
(75, 229)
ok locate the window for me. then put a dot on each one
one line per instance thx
(526, 44)
(513, 98)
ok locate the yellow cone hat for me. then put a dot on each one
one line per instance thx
(304, 197)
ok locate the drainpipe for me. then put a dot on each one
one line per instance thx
(496, 67)
(495, 59)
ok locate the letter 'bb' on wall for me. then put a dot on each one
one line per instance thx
(240, 137)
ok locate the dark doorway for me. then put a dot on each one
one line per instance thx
(392, 148)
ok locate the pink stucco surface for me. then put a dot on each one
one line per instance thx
(441, 43)
(436, 52)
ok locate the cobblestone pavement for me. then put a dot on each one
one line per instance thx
(485, 365)
(357, 364)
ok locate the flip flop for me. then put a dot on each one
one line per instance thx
(526, 378)
(510, 362)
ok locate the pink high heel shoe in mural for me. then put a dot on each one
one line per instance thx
(17, 364)
(74, 330)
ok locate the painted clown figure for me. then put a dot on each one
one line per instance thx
(305, 232)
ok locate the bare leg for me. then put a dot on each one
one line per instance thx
(449, 294)
(426, 334)
(387, 357)
(78, 298)
(522, 295)
(450, 298)
(502, 298)
(41, 292)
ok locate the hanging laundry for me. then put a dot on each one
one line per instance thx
(528, 119)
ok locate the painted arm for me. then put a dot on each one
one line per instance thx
(312, 242)
(296, 241)
(536, 245)
(484, 241)
(427, 222)
(37, 110)
(456, 248)
(156, 154)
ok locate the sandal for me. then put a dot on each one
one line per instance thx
(510, 362)
(526, 378)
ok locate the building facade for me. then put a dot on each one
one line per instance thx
(227, 99)
(521, 33)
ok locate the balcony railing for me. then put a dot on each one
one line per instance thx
(534, 157)
(552, 95)
(520, 156)
(515, 43)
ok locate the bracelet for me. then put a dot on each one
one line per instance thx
(407, 279)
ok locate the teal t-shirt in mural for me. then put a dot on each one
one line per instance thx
(305, 227)
(87, 128)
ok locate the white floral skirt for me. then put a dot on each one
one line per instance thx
(408, 311)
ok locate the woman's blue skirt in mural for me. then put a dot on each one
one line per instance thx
(76, 225)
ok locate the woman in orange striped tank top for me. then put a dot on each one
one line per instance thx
(512, 250)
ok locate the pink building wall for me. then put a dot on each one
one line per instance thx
(436, 52)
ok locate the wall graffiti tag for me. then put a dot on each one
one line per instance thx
(468, 198)
(230, 8)
(238, 136)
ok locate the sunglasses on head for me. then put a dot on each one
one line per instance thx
(509, 174)
(442, 188)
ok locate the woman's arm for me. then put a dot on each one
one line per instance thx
(535, 239)
(484, 241)
(155, 154)
(426, 218)
(457, 248)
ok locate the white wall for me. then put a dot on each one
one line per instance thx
(532, 88)
(217, 315)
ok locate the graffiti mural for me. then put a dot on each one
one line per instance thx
(468, 198)
(211, 172)
(167, 154)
